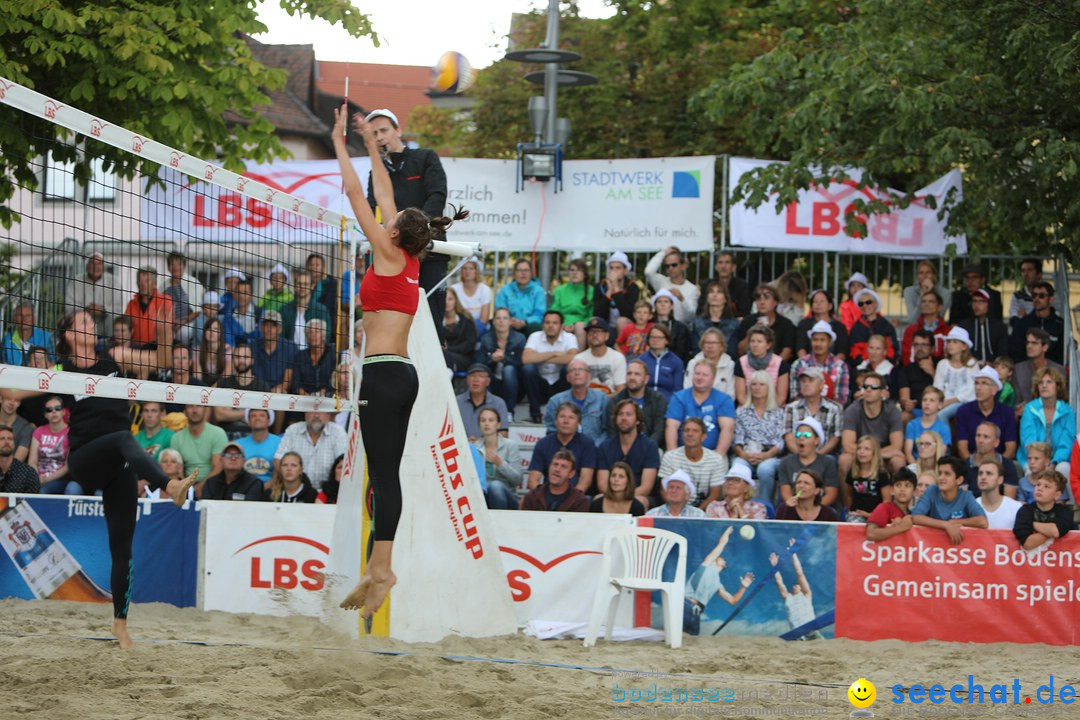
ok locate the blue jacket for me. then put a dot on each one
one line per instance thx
(665, 372)
(13, 348)
(593, 414)
(515, 345)
(528, 304)
(1033, 429)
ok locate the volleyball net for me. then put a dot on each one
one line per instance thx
(160, 246)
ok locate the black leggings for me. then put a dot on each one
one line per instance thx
(113, 463)
(387, 393)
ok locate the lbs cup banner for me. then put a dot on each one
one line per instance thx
(603, 205)
(817, 220)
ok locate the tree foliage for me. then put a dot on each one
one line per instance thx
(910, 90)
(178, 72)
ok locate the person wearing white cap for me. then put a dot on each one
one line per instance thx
(955, 375)
(849, 311)
(821, 310)
(261, 445)
(474, 294)
(278, 295)
(809, 439)
(871, 322)
(685, 292)
(232, 278)
(678, 491)
(834, 371)
(986, 408)
(737, 501)
(419, 181)
(615, 296)
(97, 293)
(664, 306)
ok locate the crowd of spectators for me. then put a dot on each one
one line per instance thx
(658, 397)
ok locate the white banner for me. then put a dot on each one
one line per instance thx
(817, 220)
(552, 563)
(264, 558)
(630, 205)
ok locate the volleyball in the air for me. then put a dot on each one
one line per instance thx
(746, 532)
(452, 73)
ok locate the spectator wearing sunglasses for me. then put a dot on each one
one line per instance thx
(871, 322)
(1042, 317)
(675, 281)
(809, 439)
(873, 415)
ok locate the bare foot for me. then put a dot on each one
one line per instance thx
(120, 632)
(178, 489)
(369, 595)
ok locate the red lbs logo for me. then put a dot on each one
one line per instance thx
(286, 572)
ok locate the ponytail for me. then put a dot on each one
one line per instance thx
(442, 222)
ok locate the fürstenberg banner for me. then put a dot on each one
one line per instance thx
(817, 219)
(630, 205)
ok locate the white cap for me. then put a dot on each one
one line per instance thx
(821, 326)
(679, 476)
(247, 415)
(620, 257)
(476, 261)
(279, 268)
(211, 298)
(741, 471)
(664, 293)
(812, 422)
(871, 293)
(233, 273)
(383, 112)
(97, 256)
(959, 333)
(856, 277)
(991, 374)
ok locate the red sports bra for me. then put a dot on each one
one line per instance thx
(399, 292)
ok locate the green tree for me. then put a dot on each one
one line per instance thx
(910, 90)
(178, 72)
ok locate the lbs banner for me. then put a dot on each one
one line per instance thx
(630, 205)
(817, 220)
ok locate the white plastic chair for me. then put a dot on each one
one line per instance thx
(644, 551)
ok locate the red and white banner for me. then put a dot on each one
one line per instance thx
(919, 586)
(819, 217)
(264, 558)
(552, 563)
(631, 205)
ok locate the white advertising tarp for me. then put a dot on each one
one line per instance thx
(817, 220)
(552, 563)
(264, 558)
(630, 205)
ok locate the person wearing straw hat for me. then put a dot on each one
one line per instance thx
(616, 295)
(871, 322)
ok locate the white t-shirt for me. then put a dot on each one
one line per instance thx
(1004, 518)
(608, 370)
(477, 302)
(538, 342)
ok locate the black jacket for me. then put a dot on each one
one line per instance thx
(419, 181)
(246, 487)
(999, 339)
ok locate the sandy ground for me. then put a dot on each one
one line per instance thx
(267, 668)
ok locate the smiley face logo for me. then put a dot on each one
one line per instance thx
(862, 693)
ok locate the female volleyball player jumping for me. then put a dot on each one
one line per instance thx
(389, 295)
(104, 455)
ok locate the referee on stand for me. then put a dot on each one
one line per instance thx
(419, 181)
